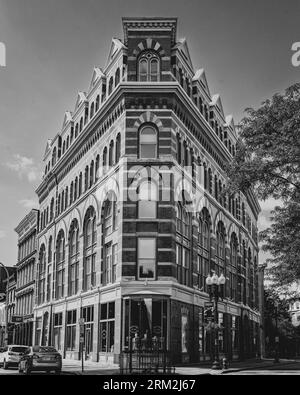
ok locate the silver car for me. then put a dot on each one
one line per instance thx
(11, 355)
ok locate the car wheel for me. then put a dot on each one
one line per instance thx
(5, 365)
(27, 369)
(20, 368)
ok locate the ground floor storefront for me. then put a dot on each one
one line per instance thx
(113, 322)
(23, 332)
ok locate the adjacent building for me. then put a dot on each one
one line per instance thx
(4, 303)
(133, 213)
(26, 271)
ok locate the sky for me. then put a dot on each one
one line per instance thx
(52, 47)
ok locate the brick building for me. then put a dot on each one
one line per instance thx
(132, 211)
(26, 269)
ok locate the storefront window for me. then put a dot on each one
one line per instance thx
(57, 331)
(107, 327)
(145, 322)
(71, 329)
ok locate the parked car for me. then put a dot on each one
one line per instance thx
(10, 356)
(40, 358)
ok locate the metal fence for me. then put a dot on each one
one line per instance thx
(146, 357)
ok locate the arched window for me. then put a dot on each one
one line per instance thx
(75, 188)
(73, 258)
(92, 111)
(220, 248)
(148, 67)
(147, 203)
(233, 250)
(50, 250)
(54, 156)
(92, 174)
(111, 154)
(118, 148)
(104, 160)
(81, 124)
(71, 193)
(76, 130)
(90, 244)
(110, 222)
(52, 209)
(97, 167)
(110, 85)
(148, 142)
(86, 178)
(117, 77)
(62, 201)
(204, 250)
(178, 218)
(97, 103)
(66, 197)
(42, 274)
(80, 185)
(178, 147)
(60, 265)
(110, 239)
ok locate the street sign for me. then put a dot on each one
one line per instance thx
(16, 318)
(208, 304)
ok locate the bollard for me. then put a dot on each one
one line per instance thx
(224, 363)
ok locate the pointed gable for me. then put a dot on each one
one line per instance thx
(201, 77)
(216, 102)
(48, 147)
(81, 97)
(116, 46)
(67, 118)
(230, 123)
(97, 75)
(183, 48)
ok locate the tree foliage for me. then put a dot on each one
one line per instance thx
(268, 160)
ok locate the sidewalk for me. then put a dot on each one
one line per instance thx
(235, 366)
(71, 366)
(96, 368)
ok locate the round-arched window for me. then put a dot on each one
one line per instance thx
(148, 142)
(148, 67)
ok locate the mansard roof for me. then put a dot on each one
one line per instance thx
(201, 77)
(216, 102)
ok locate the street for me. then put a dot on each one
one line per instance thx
(289, 369)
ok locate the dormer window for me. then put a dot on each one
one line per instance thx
(148, 67)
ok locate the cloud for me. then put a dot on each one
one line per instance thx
(25, 167)
(2, 234)
(28, 203)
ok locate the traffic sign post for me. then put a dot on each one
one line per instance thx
(81, 340)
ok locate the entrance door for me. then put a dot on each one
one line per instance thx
(88, 341)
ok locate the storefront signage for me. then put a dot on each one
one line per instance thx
(16, 318)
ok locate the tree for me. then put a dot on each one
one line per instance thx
(268, 161)
(276, 309)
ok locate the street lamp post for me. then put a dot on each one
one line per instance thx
(215, 287)
(276, 360)
(6, 304)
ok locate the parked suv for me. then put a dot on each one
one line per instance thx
(11, 355)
